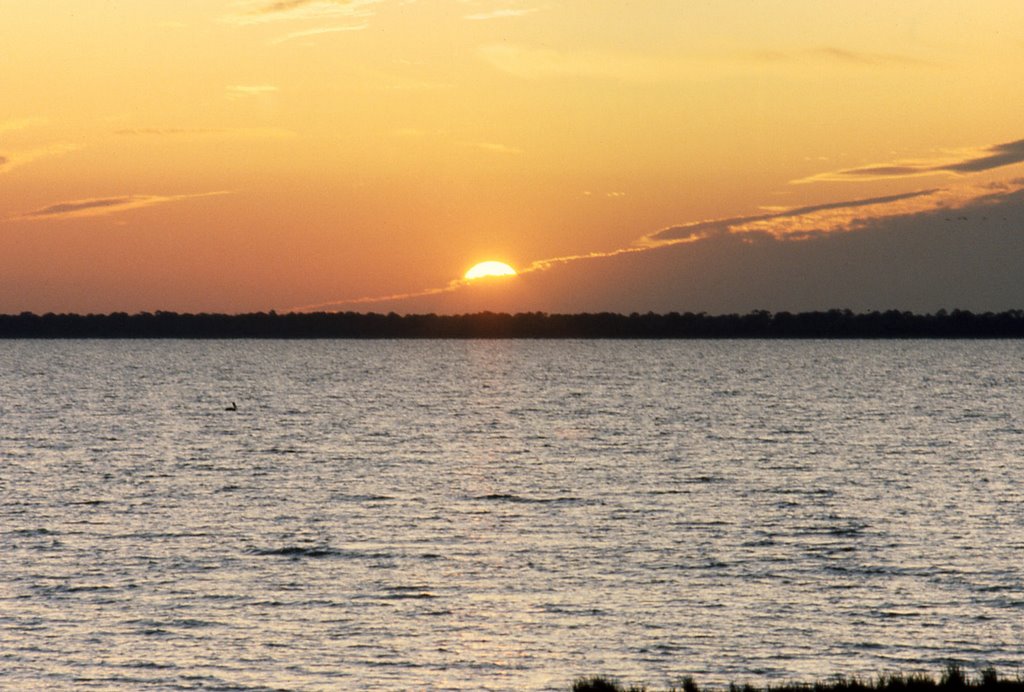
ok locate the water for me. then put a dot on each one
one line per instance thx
(506, 514)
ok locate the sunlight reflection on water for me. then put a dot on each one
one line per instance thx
(506, 514)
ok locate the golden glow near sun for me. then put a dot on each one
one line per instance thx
(479, 271)
(324, 140)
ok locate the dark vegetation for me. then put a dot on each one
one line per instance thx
(953, 679)
(833, 324)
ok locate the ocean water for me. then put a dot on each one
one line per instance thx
(506, 514)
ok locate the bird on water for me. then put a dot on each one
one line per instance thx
(232, 407)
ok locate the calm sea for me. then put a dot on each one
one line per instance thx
(506, 514)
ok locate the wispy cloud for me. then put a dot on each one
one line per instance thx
(319, 31)
(90, 206)
(494, 147)
(815, 218)
(17, 158)
(369, 300)
(790, 224)
(101, 206)
(288, 5)
(839, 56)
(976, 161)
(536, 62)
(260, 11)
(507, 13)
(250, 90)
(227, 132)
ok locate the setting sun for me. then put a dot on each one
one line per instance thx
(479, 271)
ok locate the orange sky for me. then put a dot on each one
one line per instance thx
(244, 155)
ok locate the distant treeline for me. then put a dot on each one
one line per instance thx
(831, 324)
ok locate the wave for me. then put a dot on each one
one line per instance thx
(297, 552)
(520, 499)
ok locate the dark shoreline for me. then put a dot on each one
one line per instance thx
(952, 679)
(831, 324)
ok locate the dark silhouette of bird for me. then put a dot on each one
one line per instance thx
(232, 407)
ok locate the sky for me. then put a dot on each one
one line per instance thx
(666, 155)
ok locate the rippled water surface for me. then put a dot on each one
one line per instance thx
(506, 514)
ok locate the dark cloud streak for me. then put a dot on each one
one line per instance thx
(73, 207)
(1001, 155)
(995, 156)
(109, 205)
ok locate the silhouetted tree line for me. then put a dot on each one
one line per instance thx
(831, 324)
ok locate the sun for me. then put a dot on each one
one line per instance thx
(479, 271)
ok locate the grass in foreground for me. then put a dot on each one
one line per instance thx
(953, 679)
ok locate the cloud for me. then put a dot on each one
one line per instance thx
(537, 62)
(287, 5)
(15, 159)
(232, 132)
(995, 157)
(102, 206)
(840, 56)
(813, 218)
(246, 90)
(80, 207)
(792, 224)
(976, 161)
(317, 32)
(501, 14)
(922, 262)
(260, 12)
(370, 300)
